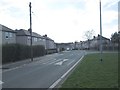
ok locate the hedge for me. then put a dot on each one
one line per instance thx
(17, 52)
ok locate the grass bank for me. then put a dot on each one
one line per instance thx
(92, 73)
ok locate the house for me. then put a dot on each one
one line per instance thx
(50, 44)
(84, 45)
(23, 37)
(95, 43)
(77, 45)
(8, 35)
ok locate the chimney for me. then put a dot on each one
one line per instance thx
(98, 35)
(45, 35)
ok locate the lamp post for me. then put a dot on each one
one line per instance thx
(101, 51)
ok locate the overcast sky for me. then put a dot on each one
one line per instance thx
(61, 20)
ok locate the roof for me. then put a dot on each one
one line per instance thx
(95, 38)
(23, 32)
(64, 43)
(98, 38)
(47, 38)
(4, 28)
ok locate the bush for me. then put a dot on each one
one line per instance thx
(16, 52)
(38, 50)
(8, 53)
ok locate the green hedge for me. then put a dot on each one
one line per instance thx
(38, 50)
(17, 52)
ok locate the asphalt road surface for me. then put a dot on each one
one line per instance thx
(43, 73)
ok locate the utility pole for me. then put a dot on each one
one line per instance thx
(31, 32)
(101, 51)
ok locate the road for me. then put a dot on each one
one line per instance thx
(41, 73)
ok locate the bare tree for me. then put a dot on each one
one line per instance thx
(89, 34)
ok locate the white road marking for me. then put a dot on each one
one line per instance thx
(56, 82)
(55, 61)
(1, 82)
(64, 60)
(70, 63)
(48, 61)
(61, 62)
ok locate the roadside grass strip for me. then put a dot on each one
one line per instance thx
(93, 73)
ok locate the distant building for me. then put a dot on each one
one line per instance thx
(23, 37)
(65, 46)
(77, 45)
(95, 43)
(8, 35)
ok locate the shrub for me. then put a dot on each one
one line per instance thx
(38, 50)
(16, 52)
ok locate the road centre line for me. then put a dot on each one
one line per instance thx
(56, 82)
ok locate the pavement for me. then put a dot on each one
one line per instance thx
(43, 72)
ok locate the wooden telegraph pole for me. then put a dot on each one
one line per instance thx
(31, 32)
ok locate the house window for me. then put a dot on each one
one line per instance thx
(35, 39)
(44, 40)
(6, 35)
(29, 37)
(40, 39)
(10, 35)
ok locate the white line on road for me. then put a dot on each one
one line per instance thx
(61, 62)
(64, 60)
(56, 82)
(70, 63)
(49, 61)
(55, 60)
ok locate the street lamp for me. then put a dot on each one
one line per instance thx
(101, 51)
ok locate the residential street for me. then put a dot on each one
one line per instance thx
(41, 73)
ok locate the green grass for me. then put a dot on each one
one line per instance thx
(92, 73)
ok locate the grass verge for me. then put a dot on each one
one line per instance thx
(92, 73)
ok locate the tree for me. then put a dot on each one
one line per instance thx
(115, 39)
(88, 35)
